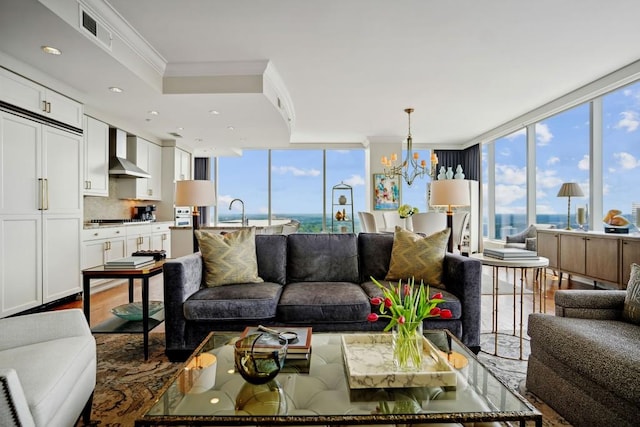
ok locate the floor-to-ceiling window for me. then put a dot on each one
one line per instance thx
(562, 155)
(510, 191)
(300, 185)
(297, 188)
(621, 151)
(245, 178)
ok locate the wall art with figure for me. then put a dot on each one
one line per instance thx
(386, 192)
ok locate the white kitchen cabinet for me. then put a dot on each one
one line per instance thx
(161, 238)
(182, 167)
(24, 93)
(100, 245)
(138, 238)
(40, 213)
(96, 158)
(148, 157)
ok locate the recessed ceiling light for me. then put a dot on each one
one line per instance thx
(180, 128)
(51, 50)
(115, 89)
(231, 128)
(153, 112)
(214, 112)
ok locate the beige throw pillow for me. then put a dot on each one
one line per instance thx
(631, 311)
(419, 257)
(229, 258)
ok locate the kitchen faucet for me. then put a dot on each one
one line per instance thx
(245, 221)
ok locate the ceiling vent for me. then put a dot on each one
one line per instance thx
(175, 134)
(95, 30)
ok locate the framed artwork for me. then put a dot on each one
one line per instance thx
(386, 192)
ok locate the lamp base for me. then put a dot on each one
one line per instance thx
(450, 227)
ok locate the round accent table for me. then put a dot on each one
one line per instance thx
(538, 266)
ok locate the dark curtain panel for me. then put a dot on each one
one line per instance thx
(469, 159)
(201, 170)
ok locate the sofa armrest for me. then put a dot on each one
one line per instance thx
(182, 278)
(462, 276)
(38, 327)
(590, 304)
(14, 409)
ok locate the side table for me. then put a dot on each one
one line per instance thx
(117, 325)
(538, 265)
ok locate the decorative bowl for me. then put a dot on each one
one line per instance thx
(259, 357)
(133, 311)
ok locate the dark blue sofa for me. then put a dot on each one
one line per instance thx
(317, 280)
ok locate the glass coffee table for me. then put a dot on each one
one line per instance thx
(209, 392)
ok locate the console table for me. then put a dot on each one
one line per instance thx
(117, 325)
(601, 257)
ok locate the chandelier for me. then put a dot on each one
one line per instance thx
(409, 169)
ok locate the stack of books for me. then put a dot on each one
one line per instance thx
(510, 253)
(299, 347)
(129, 262)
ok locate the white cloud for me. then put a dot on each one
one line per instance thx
(283, 170)
(354, 181)
(629, 121)
(516, 134)
(553, 160)
(626, 161)
(548, 178)
(583, 164)
(543, 134)
(509, 174)
(544, 209)
(612, 170)
(224, 200)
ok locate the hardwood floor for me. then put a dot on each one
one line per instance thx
(102, 302)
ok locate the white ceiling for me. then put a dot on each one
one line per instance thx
(345, 69)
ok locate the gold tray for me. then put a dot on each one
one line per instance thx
(369, 364)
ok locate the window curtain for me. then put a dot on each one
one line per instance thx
(469, 159)
(202, 170)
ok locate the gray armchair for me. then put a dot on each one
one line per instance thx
(527, 238)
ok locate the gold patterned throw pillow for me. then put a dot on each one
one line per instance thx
(422, 258)
(229, 258)
(631, 311)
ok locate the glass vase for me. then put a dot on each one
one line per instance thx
(407, 346)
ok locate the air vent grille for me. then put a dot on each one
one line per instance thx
(175, 134)
(98, 32)
(89, 24)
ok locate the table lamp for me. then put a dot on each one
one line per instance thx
(569, 190)
(449, 193)
(195, 193)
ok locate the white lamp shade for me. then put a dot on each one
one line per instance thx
(570, 189)
(195, 193)
(450, 192)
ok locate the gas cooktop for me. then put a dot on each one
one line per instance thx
(119, 221)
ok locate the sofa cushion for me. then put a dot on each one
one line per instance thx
(605, 351)
(450, 300)
(419, 257)
(234, 302)
(375, 254)
(271, 252)
(631, 311)
(322, 302)
(322, 258)
(229, 258)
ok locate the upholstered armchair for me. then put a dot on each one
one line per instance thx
(47, 369)
(527, 238)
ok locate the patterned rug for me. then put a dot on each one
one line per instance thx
(127, 385)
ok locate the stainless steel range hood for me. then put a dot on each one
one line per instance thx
(119, 166)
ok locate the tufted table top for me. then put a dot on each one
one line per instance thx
(210, 392)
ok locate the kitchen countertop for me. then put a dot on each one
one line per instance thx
(91, 225)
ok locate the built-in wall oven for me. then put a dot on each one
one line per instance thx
(183, 216)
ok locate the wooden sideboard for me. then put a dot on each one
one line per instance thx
(598, 256)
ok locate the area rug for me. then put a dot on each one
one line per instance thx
(513, 371)
(127, 385)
